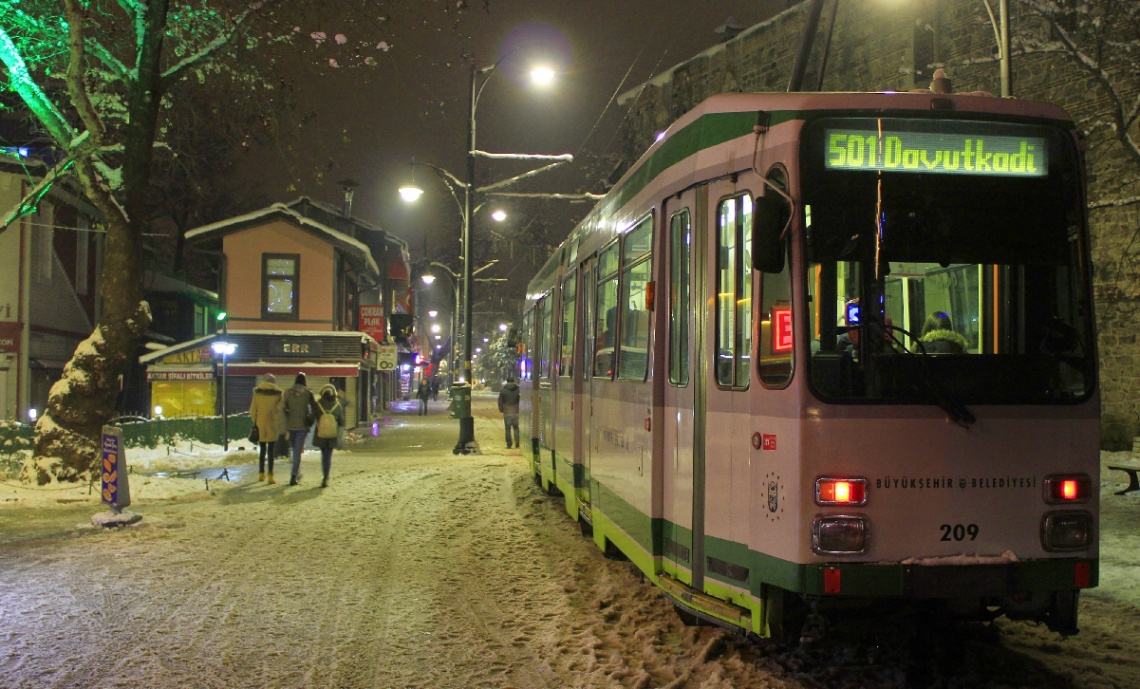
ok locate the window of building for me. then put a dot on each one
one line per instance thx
(82, 255)
(280, 286)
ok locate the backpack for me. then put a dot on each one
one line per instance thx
(326, 425)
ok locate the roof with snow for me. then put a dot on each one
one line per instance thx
(283, 212)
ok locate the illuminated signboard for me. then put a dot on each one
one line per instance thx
(781, 329)
(937, 153)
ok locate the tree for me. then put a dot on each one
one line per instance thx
(94, 79)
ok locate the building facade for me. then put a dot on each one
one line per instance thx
(50, 260)
(302, 292)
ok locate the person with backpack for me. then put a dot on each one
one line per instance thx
(329, 421)
(300, 409)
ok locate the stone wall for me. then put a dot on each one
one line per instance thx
(879, 45)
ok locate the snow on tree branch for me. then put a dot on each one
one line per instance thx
(108, 59)
(31, 199)
(220, 41)
(76, 81)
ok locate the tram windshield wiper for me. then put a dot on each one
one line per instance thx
(955, 409)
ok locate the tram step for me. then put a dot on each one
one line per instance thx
(715, 606)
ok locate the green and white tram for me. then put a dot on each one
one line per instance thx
(819, 348)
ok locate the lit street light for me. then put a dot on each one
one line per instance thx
(226, 349)
(478, 81)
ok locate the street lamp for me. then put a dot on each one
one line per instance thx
(429, 278)
(225, 348)
(478, 81)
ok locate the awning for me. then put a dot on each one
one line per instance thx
(398, 267)
(291, 370)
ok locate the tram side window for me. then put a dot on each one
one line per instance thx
(569, 294)
(734, 291)
(680, 243)
(637, 266)
(605, 323)
(776, 333)
(543, 354)
(526, 365)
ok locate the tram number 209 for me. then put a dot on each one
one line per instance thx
(959, 532)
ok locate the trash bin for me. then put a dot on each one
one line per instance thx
(460, 401)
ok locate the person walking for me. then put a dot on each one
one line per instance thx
(330, 419)
(264, 411)
(423, 394)
(509, 406)
(300, 410)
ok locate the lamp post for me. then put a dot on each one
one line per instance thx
(478, 81)
(1000, 25)
(428, 279)
(225, 348)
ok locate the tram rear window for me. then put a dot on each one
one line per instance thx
(959, 244)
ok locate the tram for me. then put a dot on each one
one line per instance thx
(828, 349)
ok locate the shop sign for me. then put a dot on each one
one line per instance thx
(190, 356)
(386, 358)
(178, 376)
(289, 347)
(10, 337)
(372, 321)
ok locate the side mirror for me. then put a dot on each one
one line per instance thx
(769, 217)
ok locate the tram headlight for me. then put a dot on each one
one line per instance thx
(839, 534)
(1066, 531)
(840, 491)
(1067, 489)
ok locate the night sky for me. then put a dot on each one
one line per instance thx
(366, 121)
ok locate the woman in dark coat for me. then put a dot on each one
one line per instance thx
(328, 403)
(299, 413)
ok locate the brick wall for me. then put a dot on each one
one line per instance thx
(879, 45)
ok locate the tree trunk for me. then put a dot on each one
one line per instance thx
(67, 436)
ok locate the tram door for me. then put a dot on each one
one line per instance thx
(723, 371)
(682, 460)
(583, 368)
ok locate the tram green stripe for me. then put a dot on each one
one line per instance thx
(858, 578)
(707, 131)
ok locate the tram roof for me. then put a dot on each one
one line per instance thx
(727, 116)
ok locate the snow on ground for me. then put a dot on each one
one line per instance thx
(418, 568)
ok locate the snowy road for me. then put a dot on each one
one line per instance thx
(418, 568)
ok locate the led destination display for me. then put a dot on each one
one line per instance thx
(937, 153)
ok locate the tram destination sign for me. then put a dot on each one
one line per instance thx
(937, 153)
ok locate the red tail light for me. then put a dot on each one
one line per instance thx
(840, 491)
(1067, 489)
